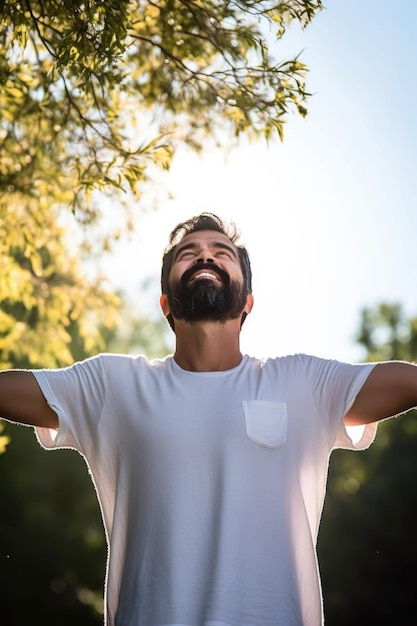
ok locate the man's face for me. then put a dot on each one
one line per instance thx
(206, 280)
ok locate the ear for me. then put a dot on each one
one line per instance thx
(249, 303)
(163, 302)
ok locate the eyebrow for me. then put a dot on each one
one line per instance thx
(216, 244)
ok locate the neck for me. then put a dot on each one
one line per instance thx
(207, 346)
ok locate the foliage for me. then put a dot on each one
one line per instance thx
(387, 333)
(367, 544)
(94, 94)
(94, 91)
(43, 293)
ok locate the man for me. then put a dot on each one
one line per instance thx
(210, 466)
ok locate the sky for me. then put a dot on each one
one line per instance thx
(329, 215)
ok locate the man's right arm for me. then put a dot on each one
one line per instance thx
(22, 401)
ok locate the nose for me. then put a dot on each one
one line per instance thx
(204, 257)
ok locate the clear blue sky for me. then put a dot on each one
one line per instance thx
(330, 215)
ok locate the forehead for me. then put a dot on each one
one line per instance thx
(202, 238)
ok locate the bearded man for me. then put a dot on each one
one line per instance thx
(210, 466)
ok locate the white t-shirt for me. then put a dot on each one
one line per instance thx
(211, 484)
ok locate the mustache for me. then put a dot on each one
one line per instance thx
(222, 274)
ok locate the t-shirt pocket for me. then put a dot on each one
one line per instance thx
(266, 422)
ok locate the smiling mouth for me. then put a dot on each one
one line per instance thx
(204, 274)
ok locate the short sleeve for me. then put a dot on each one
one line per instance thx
(77, 395)
(335, 386)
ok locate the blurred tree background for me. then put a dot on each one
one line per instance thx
(367, 541)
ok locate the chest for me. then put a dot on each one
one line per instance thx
(212, 417)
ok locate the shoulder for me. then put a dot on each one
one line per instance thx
(125, 362)
(113, 364)
(308, 366)
(281, 363)
(288, 368)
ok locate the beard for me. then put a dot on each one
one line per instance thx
(204, 300)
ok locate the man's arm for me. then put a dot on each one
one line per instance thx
(22, 401)
(390, 389)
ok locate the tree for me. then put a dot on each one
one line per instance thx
(367, 544)
(386, 333)
(78, 76)
(43, 293)
(93, 95)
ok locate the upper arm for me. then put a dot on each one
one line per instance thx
(390, 389)
(21, 400)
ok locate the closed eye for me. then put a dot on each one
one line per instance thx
(185, 255)
(224, 253)
(190, 250)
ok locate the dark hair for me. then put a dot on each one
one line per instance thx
(205, 221)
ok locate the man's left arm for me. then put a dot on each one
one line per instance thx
(390, 389)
